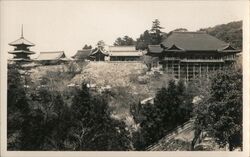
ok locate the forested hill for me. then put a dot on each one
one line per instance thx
(230, 33)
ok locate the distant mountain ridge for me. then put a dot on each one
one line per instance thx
(230, 33)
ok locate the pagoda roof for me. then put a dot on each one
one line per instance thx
(194, 41)
(53, 55)
(21, 51)
(21, 41)
(19, 59)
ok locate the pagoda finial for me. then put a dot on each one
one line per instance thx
(22, 32)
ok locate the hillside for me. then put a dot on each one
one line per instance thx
(230, 33)
(128, 82)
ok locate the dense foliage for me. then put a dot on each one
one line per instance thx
(220, 113)
(124, 41)
(230, 33)
(41, 119)
(93, 128)
(172, 106)
(18, 106)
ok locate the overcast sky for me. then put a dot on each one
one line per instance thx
(68, 25)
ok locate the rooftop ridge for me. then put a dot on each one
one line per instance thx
(191, 32)
(85, 49)
(123, 46)
(52, 52)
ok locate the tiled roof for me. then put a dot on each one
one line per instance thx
(155, 48)
(136, 53)
(124, 51)
(56, 55)
(21, 41)
(98, 50)
(121, 48)
(21, 51)
(82, 54)
(194, 41)
(19, 59)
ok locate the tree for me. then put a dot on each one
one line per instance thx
(230, 33)
(221, 113)
(143, 41)
(17, 107)
(156, 32)
(156, 28)
(87, 46)
(46, 126)
(171, 108)
(100, 44)
(150, 37)
(180, 30)
(93, 128)
(125, 41)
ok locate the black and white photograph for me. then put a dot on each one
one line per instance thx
(124, 76)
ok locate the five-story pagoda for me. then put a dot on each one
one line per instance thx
(21, 51)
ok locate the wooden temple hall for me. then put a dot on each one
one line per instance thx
(189, 55)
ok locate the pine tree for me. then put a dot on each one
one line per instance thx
(150, 37)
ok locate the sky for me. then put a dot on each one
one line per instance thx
(69, 25)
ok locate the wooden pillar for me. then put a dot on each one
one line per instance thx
(179, 71)
(172, 68)
(166, 66)
(200, 69)
(193, 70)
(187, 71)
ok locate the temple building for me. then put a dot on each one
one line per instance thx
(82, 55)
(52, 58)
(124, 53)
(189, 55)
(21, 51)
(98, 54)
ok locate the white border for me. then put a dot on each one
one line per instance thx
(246, 117)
